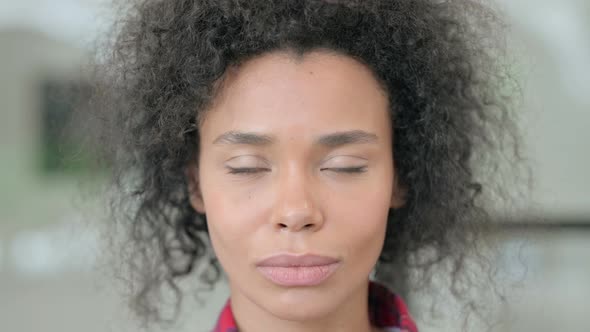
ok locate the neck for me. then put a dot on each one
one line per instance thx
(350, 316)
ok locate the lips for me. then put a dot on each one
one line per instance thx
(298, 270)
(286, 260)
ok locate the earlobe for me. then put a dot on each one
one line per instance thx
(398, 196)
(194, 188)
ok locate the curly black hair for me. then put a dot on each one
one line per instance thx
(441, 63)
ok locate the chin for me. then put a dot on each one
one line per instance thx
(303, 313)
(302, 304)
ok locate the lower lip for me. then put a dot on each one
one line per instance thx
(298, 275)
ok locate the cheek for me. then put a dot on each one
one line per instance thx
(363, 226)
(233, 218)
(234, 207)
(360, 220)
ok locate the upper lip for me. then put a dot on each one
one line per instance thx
(290, 260)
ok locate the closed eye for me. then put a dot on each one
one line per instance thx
(254, 170)
(360, 169)
(246, 170)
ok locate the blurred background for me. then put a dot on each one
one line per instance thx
(52, 277)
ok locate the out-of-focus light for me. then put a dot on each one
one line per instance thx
(562, 28)
(33, 254)
(51, 252)
(74, 21)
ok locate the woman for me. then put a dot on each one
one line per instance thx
(323, 149)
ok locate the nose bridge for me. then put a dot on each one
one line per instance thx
(296, 207)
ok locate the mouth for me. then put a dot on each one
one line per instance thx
(297, 270)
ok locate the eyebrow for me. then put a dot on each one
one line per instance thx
(329, 140)
(347, 137)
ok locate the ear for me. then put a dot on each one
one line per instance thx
(194, 188)
(398, 195)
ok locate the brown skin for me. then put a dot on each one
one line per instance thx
(298, 199)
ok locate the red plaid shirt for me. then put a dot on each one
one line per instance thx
(387, 310)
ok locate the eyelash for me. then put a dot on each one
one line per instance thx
(349, 170)
(245, 170)
(360, 169)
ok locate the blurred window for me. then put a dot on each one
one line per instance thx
(63, 145)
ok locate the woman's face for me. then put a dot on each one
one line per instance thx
(296, 158)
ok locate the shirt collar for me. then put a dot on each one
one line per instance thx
(387, 310)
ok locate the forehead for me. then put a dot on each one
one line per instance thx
(277, 93)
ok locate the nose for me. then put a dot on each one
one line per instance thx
(296, 209)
